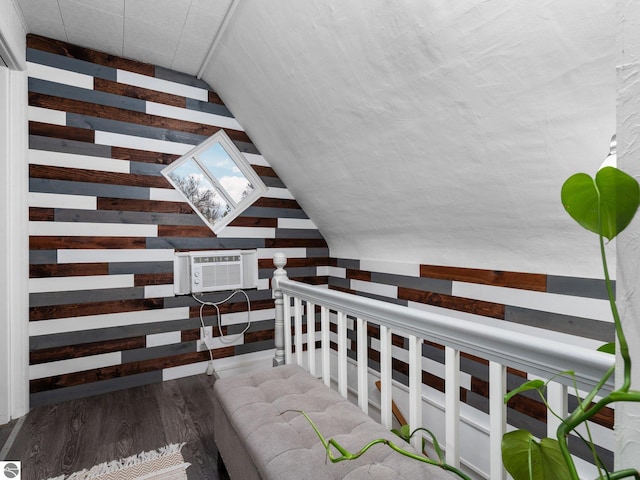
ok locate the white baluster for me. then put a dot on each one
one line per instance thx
(286, 299)
(385, 377)
(415, 388)
(497, 418)
(363, 360)
(326, 347)
(311, 338)
(452, 406)
(297, 331)
(342, 354)
(279, 260)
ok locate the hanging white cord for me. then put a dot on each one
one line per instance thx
(223, 338)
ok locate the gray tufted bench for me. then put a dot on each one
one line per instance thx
(257, 441)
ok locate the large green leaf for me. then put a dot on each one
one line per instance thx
(526, 459)
(530, 385)
(613, 192)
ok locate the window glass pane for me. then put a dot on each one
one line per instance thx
(199, 191)
(225, 170)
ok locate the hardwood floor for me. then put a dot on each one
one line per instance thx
(67, 437)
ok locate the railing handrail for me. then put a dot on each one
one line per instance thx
(540, 356)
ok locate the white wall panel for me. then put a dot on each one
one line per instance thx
(80, 229)
(114, 255)
(56, 200)
(192, 116)
(160, 85)
(46, 115)
(88, 282)
(141, 143)
(58, 75)
(61, 367)
(86, 162)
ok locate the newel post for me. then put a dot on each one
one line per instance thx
(279, 260)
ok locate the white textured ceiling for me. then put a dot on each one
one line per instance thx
(436, 132)
(175, 34)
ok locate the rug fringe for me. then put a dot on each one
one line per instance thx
(132, 461)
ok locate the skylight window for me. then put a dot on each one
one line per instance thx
(216, 180)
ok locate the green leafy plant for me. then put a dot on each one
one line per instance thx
(604, 205)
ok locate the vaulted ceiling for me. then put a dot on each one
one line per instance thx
(422, 131)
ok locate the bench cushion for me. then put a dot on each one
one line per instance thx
(282, 444)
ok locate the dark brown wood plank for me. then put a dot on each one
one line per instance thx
(254, 222)
(41, 214)
(215, 98)
(133, 91)
(359, 275)
(264, 171)
(131, 205)
(299, 262)
(95, 176)
(93, 56)
(488, 309)
(525, 281)
(94, 308)
(68, 269)
(53, 243)
(142, 279)
(60, 131)
(144, 156)
(295, 242)
(277, 203)
(185, 231)
(82, 350)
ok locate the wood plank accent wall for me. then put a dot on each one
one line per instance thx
(104, 225)
(562, 308)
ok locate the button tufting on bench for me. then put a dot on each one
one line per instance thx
(283, 445)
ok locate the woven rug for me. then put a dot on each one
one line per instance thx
(166, 463)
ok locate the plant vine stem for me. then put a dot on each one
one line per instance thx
(622, 341)
(346, 455)
(579, 416)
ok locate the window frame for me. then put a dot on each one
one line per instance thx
(236, 208)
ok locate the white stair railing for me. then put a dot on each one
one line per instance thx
(501, 348)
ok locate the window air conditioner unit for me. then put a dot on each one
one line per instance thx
(215, 270)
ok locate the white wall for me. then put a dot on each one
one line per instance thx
(628, 292)
(429, 132)
(14, 400)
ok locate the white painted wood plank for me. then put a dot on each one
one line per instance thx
(85, 282)
(58, 200)
(385, 377)
(342, 354)
(189, 115)
(141, 143)
(82, 255)
(397, 268)
(47, 115)
(106, 320)
(415, 388)
(286, 308)
(247, 232)
(326, 347)
(289, 252)
(81, 229)
(311, 338)
(58, 75)
(297, 328)
(164, 338)
(240, 318)
(301, 223)
(452, 406)
(158, 291)
(330, 271)
(277, 192)
(166, 195)
(83, 162)
(497, 418)
(160, 85)
(61, 367)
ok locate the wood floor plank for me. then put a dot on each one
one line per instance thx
(70, 436)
